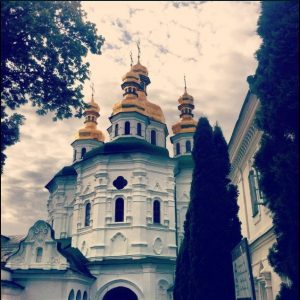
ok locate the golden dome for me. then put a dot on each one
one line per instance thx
(140, 105)
(140, 69)
(186, 98)
(186, 106)
(90, 131)
(185, 125)
(131, 76)
(92, 106)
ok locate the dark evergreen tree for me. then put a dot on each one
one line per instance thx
(182, 274)
(232, 225)
(212, 223)
(43, 44)
(276, 83)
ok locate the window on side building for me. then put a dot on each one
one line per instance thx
(254, 191)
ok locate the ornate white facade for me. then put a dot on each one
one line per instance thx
(115, 216)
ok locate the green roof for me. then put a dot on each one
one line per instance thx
(127, 145)
(65, 171)
(185, 162)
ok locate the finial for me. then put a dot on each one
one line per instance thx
(92, 87)
(184, 83)
(131, 60)
(139, 50)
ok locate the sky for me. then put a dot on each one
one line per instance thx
(212, 43)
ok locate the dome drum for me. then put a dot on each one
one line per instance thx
(186, 105)
(130, 83)
(91, 112)
(189, 114)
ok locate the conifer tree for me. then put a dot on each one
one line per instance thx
(212, 221)
(276, 83)
(182, 274)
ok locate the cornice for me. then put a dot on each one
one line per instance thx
(244, 133)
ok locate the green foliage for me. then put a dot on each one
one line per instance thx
(212, 227)
(276, 83)
(43, 44)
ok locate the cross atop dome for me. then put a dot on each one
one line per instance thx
(91, 114)
(139, 50)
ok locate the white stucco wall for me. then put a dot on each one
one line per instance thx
(256, 228)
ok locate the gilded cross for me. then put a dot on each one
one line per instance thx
(139, 49)
(131, 60)
(92, 88)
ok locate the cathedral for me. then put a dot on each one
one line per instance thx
(115, 215)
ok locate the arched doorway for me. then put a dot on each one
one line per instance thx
(120, 293)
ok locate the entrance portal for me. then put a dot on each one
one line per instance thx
(120, 293)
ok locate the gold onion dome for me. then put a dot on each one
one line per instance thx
(187, 122)
(90, 131)
(131, 76)
(92, 107)
(136, 99)
(140, 69)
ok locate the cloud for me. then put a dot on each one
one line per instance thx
(212, 42)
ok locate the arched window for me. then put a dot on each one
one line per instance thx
(39, 254)
(83, 151)
(78, 295)
(117, 130)
(127, 127)
(153, 137)
(84, 297)
(71, 295)
(188, 146)
(119, 210)
(87, 219)
(156, 212)
(139, 129)
(177, 148)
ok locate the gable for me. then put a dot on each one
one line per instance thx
(38, 250)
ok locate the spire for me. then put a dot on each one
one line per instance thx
(92, 88)
(91, 115)
(186, 107)
(139, 50)
(131, 60)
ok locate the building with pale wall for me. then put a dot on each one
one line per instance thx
(113, 213)
(116, 214)
(255, 217)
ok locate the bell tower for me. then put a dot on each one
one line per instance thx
(88, 137)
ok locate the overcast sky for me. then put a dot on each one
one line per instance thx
(213, 43)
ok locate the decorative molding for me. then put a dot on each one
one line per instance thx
(40, 236)
(158, 246)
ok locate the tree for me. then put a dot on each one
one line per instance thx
(212, 228)
(43, 44)
(182, 273)
(276, 83)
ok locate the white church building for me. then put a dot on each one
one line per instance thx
(115, 215)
